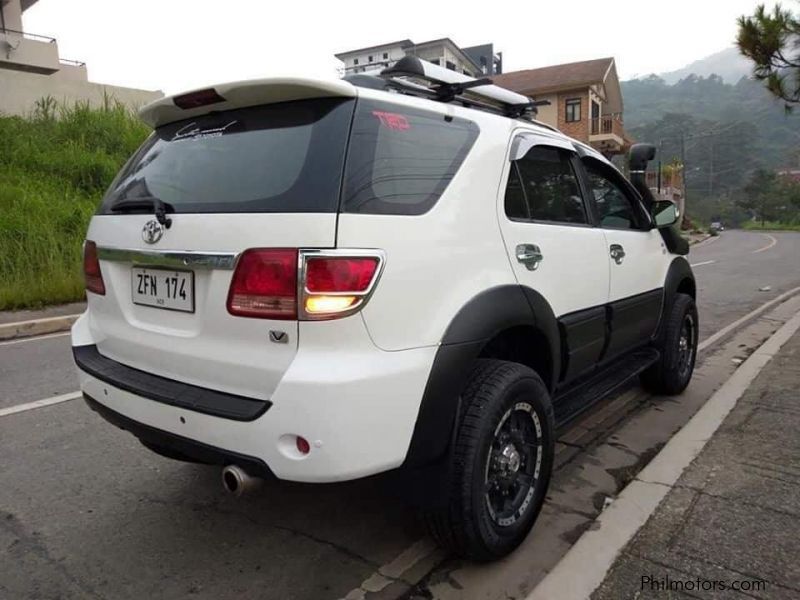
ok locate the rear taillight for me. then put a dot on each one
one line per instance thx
(91, 269)
(336, 284)
(333, 283)
(264, 284)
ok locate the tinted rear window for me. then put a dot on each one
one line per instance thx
(277, 158)
(402, 159)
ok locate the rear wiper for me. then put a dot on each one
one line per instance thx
(160, 207)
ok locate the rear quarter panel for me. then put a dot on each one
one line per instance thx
(438, 261)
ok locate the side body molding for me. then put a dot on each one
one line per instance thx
(477, 322)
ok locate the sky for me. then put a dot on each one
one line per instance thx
(176, 45)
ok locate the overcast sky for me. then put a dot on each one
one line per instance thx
(175, 45)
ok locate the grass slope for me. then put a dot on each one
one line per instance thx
(54, 168)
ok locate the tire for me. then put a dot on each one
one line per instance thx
(678, 347)
(502, 453)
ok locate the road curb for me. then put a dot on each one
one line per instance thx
(581, 571)
(22, 329)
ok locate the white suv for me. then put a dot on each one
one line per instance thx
(319, 281)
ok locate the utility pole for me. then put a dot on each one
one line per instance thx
(711, 169)
(660, 152)
(685, 174)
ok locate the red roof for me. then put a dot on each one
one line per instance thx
(558, 77)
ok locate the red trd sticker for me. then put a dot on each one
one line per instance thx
(392, 120)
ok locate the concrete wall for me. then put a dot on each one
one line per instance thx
(12, 14)
(18, 52)
(21, 90)
(548, 114)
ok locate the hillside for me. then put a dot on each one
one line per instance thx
(728, 64)
(728, 130)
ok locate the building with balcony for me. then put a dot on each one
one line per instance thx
(475, 61)
(585, 100)
(31, 68)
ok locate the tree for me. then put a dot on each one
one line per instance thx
(768, 39)
(767, 196)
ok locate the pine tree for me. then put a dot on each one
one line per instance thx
(772, 41)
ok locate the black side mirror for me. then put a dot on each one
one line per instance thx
(665, 213)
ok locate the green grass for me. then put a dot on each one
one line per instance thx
(54, 168)
(771, 226)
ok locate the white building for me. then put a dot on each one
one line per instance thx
(443, 52)
(31, 68)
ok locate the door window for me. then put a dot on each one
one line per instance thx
(542, 186)
(616, 208)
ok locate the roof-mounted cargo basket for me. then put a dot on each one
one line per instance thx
(412, 75)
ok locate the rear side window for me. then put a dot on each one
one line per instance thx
(285, 157)
(401, 159)
(551, 192)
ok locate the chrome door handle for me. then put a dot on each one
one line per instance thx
(529, 255)
(617, 253)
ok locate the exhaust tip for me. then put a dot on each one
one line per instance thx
(236, 480)
(231, 481)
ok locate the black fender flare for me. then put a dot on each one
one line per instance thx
(478, 321)
(678, 272)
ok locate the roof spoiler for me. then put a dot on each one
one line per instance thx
(240, 94)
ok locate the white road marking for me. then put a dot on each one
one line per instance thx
(584, 567)
(12, 410)
(705, 262)
(773, 241)
(34, 338)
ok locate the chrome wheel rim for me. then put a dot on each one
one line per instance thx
(513, 464)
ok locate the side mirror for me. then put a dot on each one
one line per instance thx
(665, 213)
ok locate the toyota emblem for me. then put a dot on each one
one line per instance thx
(152, 231)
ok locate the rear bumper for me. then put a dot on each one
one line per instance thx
(356, 404)
(168, 391)
(189, 448)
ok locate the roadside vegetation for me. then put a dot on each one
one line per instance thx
(771, 226)
(54, 168)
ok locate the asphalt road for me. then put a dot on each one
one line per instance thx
(86, 512)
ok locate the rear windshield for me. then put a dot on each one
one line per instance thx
(401, 159)
(277, 158)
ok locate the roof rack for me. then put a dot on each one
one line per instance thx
(411, 75)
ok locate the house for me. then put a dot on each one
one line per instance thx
(475, 61)
(585, 100)
(789, 175)
(490, 62)
(31, 68)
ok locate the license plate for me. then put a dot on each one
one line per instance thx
(161, 288)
